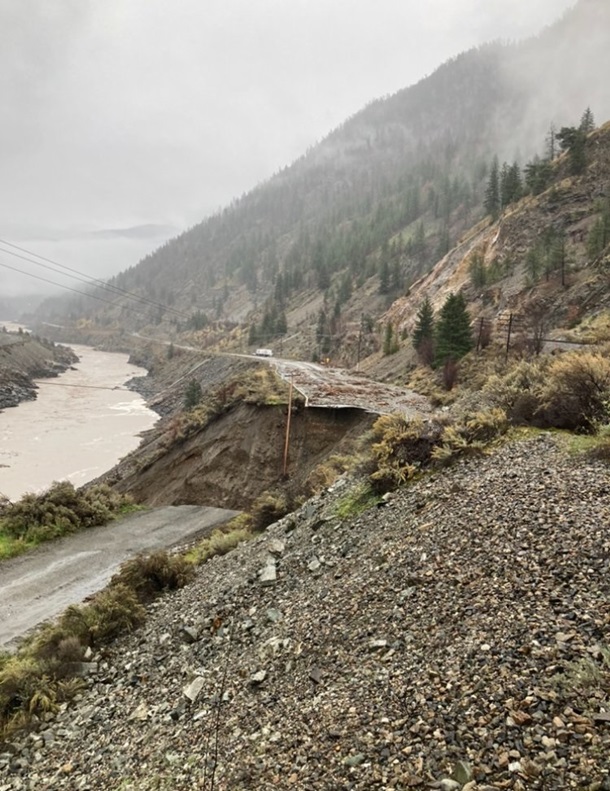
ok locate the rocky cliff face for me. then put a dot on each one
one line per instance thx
(568, 209)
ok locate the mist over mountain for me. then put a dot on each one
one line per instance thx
(392, 188)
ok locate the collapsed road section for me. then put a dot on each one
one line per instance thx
(337, 388)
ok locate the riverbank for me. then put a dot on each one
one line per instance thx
(24, 358)
(79, 426)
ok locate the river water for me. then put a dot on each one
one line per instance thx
(78, 427)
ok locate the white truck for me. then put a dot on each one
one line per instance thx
(264, 353)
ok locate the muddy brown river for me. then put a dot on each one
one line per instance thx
(80, 425)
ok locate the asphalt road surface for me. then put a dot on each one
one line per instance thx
(39, 585)
(337, 388)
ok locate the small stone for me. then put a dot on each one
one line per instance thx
(378, 645)
(315, 674)
(85, 668)
(189, 634)
(268, 575)
(193, 690)
(256, 679)
(314, 564)
(276, 546)
(273, 615)
(449, 785)
(140, 713)
(354, 760)
(462, 772)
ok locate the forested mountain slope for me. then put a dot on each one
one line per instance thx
(361, 216)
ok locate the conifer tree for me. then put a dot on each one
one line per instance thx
(492, 194)
(423, 333)
(193, 394)
(587, 122)
(453, 331)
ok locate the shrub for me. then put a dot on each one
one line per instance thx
(403, 447)
(470, 436)
(61, 509)
(325, 474)
(518, 392)
(150, 575)
(576, 395)
(399, 449)
(24, 689)
(267, 509)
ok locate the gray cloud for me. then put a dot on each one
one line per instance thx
(119, 114)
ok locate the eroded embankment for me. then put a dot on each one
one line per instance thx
(24, 358)
(239, 454)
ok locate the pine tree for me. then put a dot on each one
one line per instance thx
(390, 341)
(537, 175)
(573, 140)
(193, 394)
(492, 194)
(587, 122)
(453, 331)
(423, 333)
(384, 277)
(477, 270)
(551, 143)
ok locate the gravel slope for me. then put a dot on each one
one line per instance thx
(417, 642)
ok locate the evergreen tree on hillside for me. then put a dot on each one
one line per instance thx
(384, 277)
(492, 194)
(599, 235)
(453, 331)
(551, 144)
(537, 175)
(423, 333)
(192, 395)
(572, 139)
(511, 185)
(587, 122)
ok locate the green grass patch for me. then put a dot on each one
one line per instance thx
(357, 501)
(220, 542)
(595, 445)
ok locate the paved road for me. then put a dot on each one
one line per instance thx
(336, 387)
(41, 584)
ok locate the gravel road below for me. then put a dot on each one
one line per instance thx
(42, 583)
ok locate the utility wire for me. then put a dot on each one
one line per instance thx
(67, 288)
(83, 278)
(87, 387)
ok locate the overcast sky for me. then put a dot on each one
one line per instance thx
(116, 113)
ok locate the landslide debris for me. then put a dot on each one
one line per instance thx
(452, 639)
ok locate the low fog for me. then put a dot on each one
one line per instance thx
(124, 123)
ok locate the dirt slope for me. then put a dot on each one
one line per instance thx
(240, 454)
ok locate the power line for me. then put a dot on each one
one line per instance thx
(60, 285)
(83, 278)
(87, 387)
